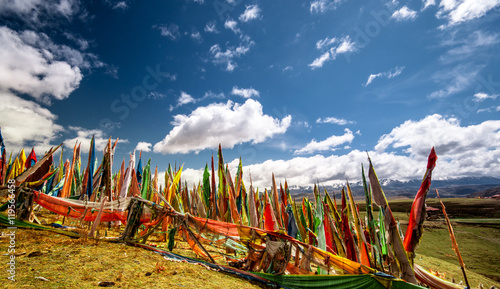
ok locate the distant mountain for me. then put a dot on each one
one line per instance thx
(486, 193)
(450, 188)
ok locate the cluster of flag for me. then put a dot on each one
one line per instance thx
(323, 221)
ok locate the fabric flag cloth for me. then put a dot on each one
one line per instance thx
(2, 145)
(276, 203)
(253, 218)
(91, 165)
(346, 231)
(270, 222)
(417, 215)
(138, 170)
(206, 190)
(146, 174)
(31, 160)
(127, 178)
(22, 161)
(390, 225)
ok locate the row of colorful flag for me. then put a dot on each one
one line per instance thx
(333, 225)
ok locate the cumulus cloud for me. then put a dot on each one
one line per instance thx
(84, 136)
(334, 120)
(33, 65)
(465, 10)
(228, 124)
(251, 12)
(387, 74)
(345, 45)
(463, 151)
(26, 123)
(244, 92)
(403, 14)
(329, 144)
(445, 134)
(143, 146)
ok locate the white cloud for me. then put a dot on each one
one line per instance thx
(454, 80)
(32, 64)
(244, 92)
(185, 98)
(345, 46)
(226, 58)
(143, 146)
(404, 13)
(251, 12)
(318, 62)
(232, 25)
(327, 42)
(228, 124)
(462, 151)
(171, 31)
(474, 45)
(480, 96)
(458, 11)
(329, 144)
(26, 123)
(428, 3)
(121, 5)
(321, 6)
(334, 120)
(196, 35)
(84, 136)
(211, 94)
(211, 27)
(445, 134)
(387, 74)
(332, 169)
(38, 13)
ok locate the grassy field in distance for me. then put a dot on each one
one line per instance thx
(477, 234)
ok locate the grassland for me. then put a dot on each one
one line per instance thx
(478, 237)
(83, 263)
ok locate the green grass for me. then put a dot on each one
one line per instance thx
(478, 246)
(477, 229)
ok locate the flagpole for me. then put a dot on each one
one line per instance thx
(454, 241)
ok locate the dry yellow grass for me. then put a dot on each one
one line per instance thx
(83, 263)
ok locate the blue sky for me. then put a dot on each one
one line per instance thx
(301, 89)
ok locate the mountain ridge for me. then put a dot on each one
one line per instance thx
(449, 188)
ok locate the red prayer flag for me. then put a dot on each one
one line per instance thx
(417, 215)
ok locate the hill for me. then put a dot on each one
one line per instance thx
(450, 188)
(485, 193)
